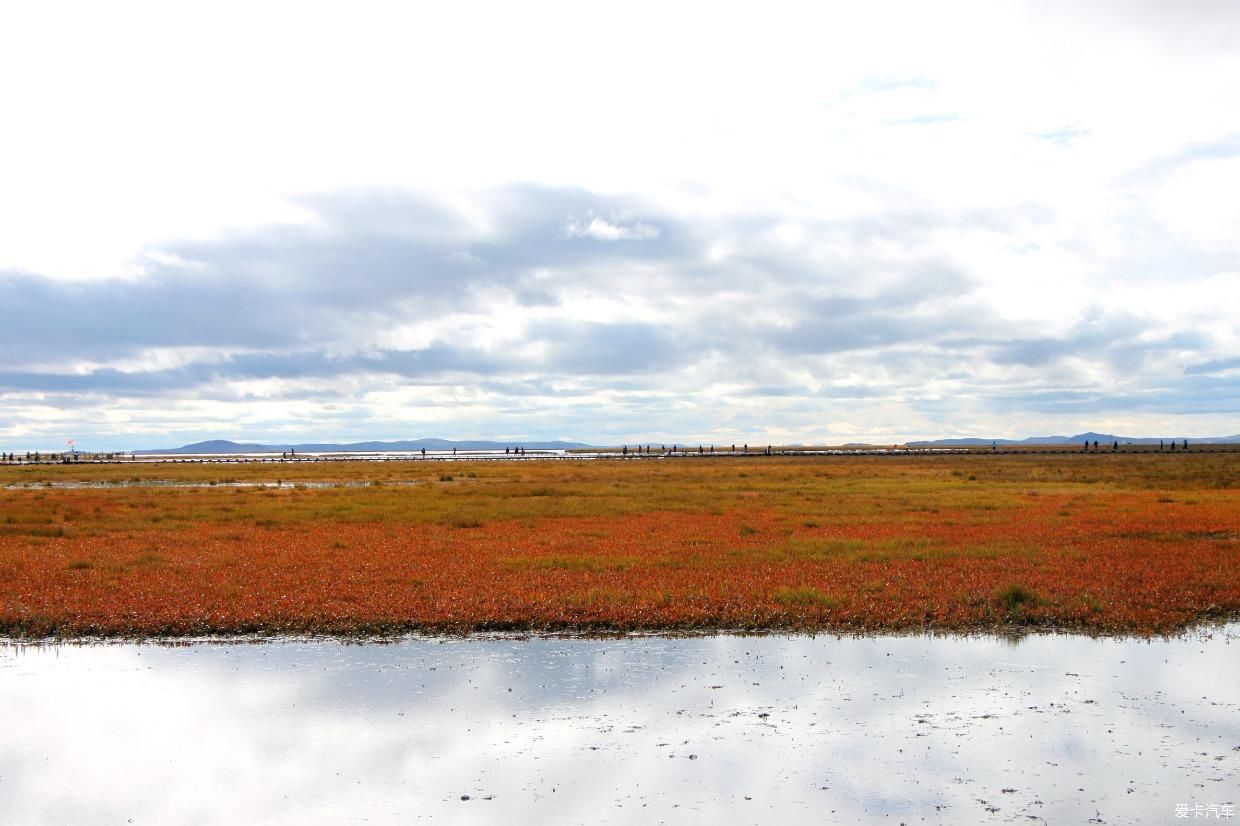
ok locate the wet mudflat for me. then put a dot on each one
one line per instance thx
(717, 729)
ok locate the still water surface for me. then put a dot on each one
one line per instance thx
(776, 729)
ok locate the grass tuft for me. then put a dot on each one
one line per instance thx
(1014, 597)
(805, 596)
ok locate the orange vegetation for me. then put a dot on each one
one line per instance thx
(1100, 544)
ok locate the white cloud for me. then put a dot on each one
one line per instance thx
(602, 230)
(1054, 157)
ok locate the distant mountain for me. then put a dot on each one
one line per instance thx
(1077, 439)
(223, 446)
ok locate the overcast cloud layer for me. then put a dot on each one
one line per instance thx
(989, 219)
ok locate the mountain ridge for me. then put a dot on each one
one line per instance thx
(1077, 439)
(226, 446)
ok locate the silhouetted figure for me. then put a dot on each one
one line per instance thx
(1087, 445)
(1186, 444)
(423, 453)
(1160, 446)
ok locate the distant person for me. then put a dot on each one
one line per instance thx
(1186, 444)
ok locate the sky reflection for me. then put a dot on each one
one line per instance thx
(640, 730)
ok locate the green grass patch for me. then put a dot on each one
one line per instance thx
(1016, 597)
(805, 597)
(588, 564)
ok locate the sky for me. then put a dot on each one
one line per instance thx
(610, 223)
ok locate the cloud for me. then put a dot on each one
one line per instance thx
(365, 261)
(1063, 136)
(602, 230)
(525, 305)
(1213, 366)
(935, 119)
(1225, 149)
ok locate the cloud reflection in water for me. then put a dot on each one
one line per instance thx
(640, 730)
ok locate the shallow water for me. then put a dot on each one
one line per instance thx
(777, 729)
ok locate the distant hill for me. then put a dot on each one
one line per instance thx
(223, 446)
(1077, 439)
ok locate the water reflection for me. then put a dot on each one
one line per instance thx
(643, 730)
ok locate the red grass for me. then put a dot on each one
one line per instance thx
(1100, 561)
